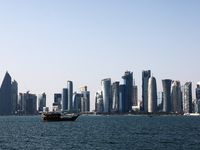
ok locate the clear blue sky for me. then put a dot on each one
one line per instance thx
(45, 43)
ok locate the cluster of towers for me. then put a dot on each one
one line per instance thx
(116, 97)
(76, 102)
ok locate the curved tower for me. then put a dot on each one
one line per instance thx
(70, 94)
(105, 83)
(152, 95)
(176, 96)
(166, 94)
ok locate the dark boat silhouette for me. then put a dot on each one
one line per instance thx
(57, 117)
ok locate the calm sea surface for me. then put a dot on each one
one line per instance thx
(101, 132)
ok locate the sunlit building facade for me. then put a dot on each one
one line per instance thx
(41, 101)
(152, 95)
(187, 107)
(176, 97)
(105, 84)
(166, 83)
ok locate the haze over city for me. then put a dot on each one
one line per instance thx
(46, 43)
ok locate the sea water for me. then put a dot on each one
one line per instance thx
(101, 132)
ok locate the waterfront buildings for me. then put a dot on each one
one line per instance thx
(146, 74)
(121, 97)
(64, 99)
(105, 84)
(57, 102)
(187, 99)
(70, 94)
(135, 94)
(115, 97)
(198, 91)
(5, 95)
(41, 101)
(176, 97)
(85, 99)
(28, 103)
(128, 82)
(152, 95)
(14, 96)
(77, 102)
(166, 95)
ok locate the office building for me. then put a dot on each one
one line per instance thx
(41, 101)
(77, 102)
(99, 101)
(135, 95)
(121, 97)
(198, 91)
(64, 99)
(57, 102)
(115, 97)
(187, 99)
(14, 96)
(128, 82)
(152, 95)
(105, 84)
(28, 103)
(176, 97)
(166, 83)
(5, 95)
(85, 99)
(70, 94)
(146, 74)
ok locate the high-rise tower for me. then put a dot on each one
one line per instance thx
(70, 94)
(187, 99)
(128, 82)
(146, 74)
(105, 84)
(115, 97)
(41, 101)
(5, 95)
(176, 97)
(152, 95)
(198, 91)
(14, 96)
(64, 99)
(135, 95)
(166, 95)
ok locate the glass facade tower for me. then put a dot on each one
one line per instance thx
(146, 74)
(176, 97)
(128, 82)
(64, 99)
(187, 107)
(70, 94)
(115, 97)
(152, 95)
(166, 95)
(105, 84)
(41, 101)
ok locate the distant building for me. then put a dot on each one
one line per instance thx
(146, 74)
(70, 94)
(65, 99)
(128, 82)
(28, 103)
(77, 102)
(5, 95)
(159, 101)
(152, 95)
(187, 99)
(166, 95)
(99, 101)
(85, 100)
(105, 84)
(121, 98)
(115, 97)
(198, 91)
(14, 96)
(97, 94)
(176, 97)
(41, 101)
(135, 95)
(57, 101)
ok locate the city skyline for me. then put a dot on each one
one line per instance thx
(45, 44)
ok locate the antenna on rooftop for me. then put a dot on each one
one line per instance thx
(28, 90)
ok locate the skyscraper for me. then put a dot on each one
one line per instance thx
(77, 102)
(5, 95)
(128, 82)
(14, 96)
(146, 74)
(187, 107)
(198, 91)
(99, 101)
(121, 97)
(105, 84)
(41, 101)
(152, 95)
(115, 97)
(70, 94)
(159, 101)
(85, 99)
(176, 96)
(64, 99)
(135, 95)
(166, 95)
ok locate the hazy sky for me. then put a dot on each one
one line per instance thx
(44, 43)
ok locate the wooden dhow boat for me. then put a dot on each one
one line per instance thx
(55, 116)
